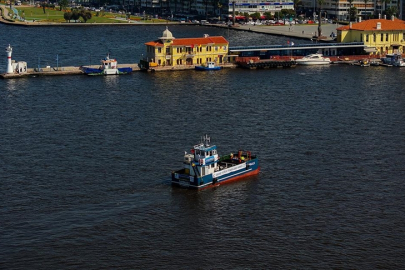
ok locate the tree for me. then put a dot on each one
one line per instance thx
(85, 14)
(353, 12)
(63, 4)
(67, 16)
(350, 7)
(255, 15)
(75, 15)
(320, 3)
(391, 11)
(365, 8)
(386, 2)
(268, 15)
(296, 4)
(43, 5)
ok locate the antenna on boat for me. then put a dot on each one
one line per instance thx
(206, 140)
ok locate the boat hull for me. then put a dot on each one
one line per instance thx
(201, 68)
(228, 175)
(311, 63)
(97, 71)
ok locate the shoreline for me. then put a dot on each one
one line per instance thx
(298, 31)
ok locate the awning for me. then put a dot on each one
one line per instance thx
(370, 49)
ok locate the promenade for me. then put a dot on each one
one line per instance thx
(301, 31)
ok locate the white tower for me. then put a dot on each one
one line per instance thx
(9, 50)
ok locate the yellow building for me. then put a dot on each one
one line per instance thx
(171, 51)
(381, 36)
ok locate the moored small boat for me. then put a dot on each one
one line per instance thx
(362, 63)
(204, 168)
(313, 59)
(208, 66)
(394, 59)
(108, 67)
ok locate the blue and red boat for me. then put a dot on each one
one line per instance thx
(208, 66)
(204, 168)
(108, 67)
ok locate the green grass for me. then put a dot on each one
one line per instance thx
(54, 15)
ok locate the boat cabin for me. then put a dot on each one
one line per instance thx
(210, 64)
(108, 63)
(203, 159)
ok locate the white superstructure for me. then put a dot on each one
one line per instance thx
(9, 51)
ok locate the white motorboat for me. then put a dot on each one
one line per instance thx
(313, 59)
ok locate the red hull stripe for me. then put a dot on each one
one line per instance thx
(233, 179)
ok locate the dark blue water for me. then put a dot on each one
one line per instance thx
(85, 161)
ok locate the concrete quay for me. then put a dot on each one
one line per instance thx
(299, 31)
(60, 71)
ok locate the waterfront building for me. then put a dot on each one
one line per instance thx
(262, 6)
(171, 51)
(339, 9)
(381, 36)
(211, 9)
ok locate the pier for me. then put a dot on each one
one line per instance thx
(52, 71)
(257, 63)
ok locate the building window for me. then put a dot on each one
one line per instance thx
(386, 37)
(367, 38)
(374, 37)
(382, 37)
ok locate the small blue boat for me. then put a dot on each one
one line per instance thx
(108, 67)
(204, 168)
(209, 66)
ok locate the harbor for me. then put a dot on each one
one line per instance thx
(86, 161)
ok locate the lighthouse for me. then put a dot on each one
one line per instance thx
(9, 50)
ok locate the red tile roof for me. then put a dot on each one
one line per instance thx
(191, 41)
(371, 25)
